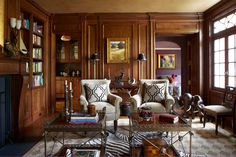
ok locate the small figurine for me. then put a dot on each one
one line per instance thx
(131, 81)
(120, 78)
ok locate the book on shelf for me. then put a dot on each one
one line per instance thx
(168, 118)
(83, 152)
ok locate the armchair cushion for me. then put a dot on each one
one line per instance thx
(154, 92)
(96, 92)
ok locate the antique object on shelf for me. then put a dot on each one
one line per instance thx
(13, 48)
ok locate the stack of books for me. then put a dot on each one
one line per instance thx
(83, 118)
(168, 118)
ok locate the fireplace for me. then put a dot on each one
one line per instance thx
(10, 91)
(5, 110)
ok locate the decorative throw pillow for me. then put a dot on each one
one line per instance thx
(154, 92)
(96, 92)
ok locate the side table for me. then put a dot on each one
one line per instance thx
(124, 90)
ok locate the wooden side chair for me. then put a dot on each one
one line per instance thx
(225, 109)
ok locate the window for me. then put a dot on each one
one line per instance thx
(225, 23)
(224, 52)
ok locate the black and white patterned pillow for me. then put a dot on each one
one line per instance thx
(154, 92)
(96, 92)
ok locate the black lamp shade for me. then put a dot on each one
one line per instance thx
(141, 57)
(95, 57)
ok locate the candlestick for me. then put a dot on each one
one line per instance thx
(66, 98)
(71, 100)
(70, 85)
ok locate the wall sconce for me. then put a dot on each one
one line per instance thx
(95, 58)
(141, 58)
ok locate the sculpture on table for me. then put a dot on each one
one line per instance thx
(119, 78)
(131, 81)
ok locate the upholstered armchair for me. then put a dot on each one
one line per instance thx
(97, 92)
(154, 94)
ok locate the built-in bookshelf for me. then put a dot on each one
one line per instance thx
(37, 53)
(33, 37)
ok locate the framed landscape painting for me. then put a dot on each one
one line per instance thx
(167, 61)
(117, 50)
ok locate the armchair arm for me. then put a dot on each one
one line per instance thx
(136, 101)
(114, 99)
(83, 102)
(169, 102)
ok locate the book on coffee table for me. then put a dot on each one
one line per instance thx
(78, 115)
(83, 153)
(83, 118)
(168, 118)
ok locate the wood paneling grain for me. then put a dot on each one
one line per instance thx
(11, 67)
(174, 27)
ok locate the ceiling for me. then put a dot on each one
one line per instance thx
(125, 6)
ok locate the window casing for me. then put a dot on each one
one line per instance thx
(224, 51)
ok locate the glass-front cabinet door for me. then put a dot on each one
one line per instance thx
(67, 51)
(74, 50)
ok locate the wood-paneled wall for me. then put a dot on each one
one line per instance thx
(140, 28)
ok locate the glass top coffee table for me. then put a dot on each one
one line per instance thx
(60, 124)
(138, 124)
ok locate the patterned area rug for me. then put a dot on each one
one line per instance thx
(204, 142)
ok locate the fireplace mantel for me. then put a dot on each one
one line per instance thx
(9, 65)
